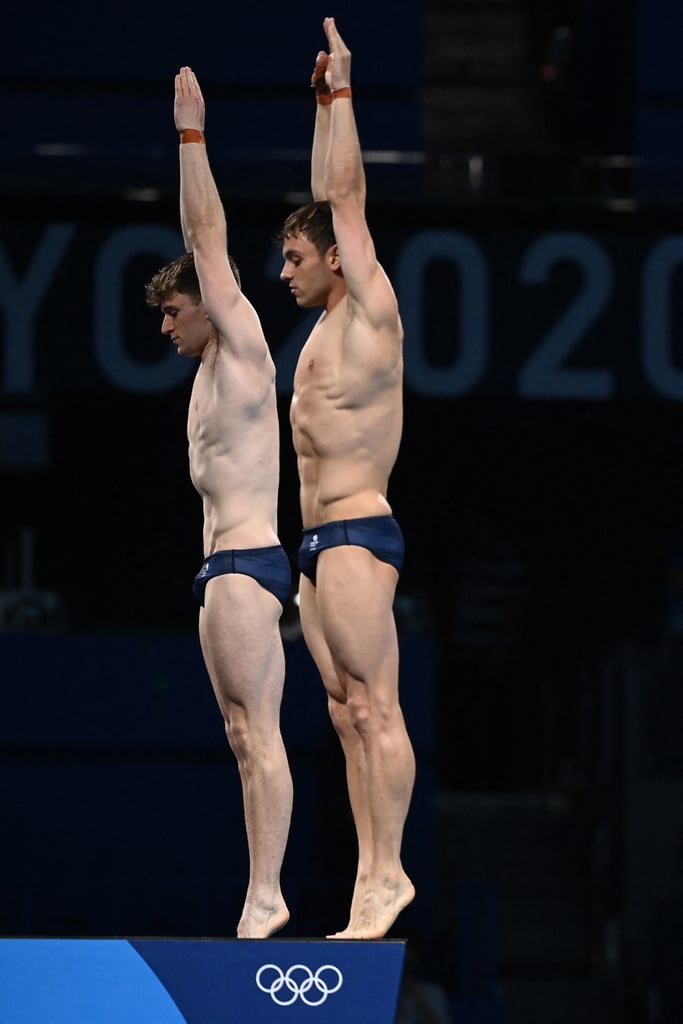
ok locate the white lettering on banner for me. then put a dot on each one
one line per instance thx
(20, 302)
(130, 374)
(657, 328)
(552, 361)
(471, 330)
(544, 375)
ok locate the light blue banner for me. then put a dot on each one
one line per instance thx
(198, 981)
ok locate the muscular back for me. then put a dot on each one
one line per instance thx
(234, 442)
(346, 414)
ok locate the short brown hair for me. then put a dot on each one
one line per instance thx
(313, 220)
(179, 276)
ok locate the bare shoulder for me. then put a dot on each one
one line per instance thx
(373, 302)
(371, 293)
(373, 337)
(240, 332)
(237, 323)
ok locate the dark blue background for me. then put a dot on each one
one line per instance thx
(541, 606)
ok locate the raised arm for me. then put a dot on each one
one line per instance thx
(201, 212)
(321, 132)
(204, 227)
(344, 171)
(368, 287)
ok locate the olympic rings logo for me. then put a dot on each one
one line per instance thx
(299, 981)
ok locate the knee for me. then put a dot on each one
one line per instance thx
(238, 735)
(353, 716)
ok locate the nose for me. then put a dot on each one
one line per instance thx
(285, 273)
(166, 324)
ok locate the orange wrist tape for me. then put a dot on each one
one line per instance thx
(325, 98)
(192, 135)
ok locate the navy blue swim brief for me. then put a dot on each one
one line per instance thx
(268, 566)
(379, 534)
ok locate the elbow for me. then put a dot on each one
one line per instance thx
(336, 195)
(345, 196)
(204, 235)
(341, 189)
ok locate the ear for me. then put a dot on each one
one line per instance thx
(333, 258)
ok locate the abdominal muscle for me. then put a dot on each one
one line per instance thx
(346, 431)
(239, 497)
(234, 450)
(344, 471)
(340, 488)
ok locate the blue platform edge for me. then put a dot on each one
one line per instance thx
(199, 981)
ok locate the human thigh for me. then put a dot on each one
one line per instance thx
(355, 593)
(241, 642)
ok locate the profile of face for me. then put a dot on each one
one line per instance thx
(186, 322)
(309, 273)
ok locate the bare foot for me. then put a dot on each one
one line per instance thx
(260, 922)
(377, 912)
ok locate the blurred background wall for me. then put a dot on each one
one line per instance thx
(525, 173)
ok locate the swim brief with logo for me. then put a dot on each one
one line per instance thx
(379, 534)
(268, 566)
